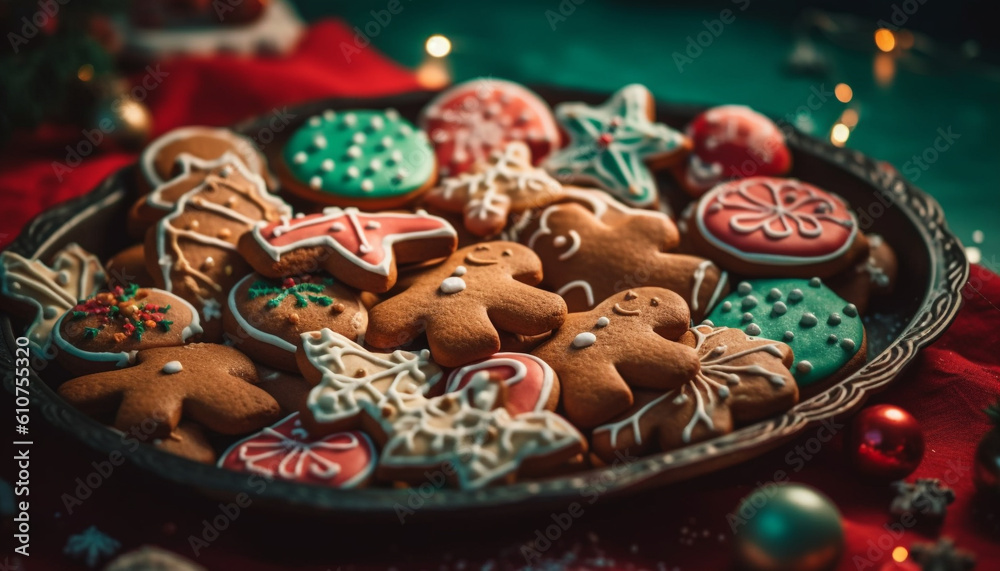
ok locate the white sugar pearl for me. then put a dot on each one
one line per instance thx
(367, 185)
(319, 141)
(300, 158)
(327, 165)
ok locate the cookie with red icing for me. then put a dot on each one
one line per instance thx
(740, 380)
(169, 156)
(470, 121)
(265, 317)
(764, 226)
(732, 142)
(106, 331)
(532, 385)
(359, 248)
(287, 451)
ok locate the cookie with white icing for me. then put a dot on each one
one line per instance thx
(361, 249)
(470, 121)
(345, 376)
(106, 331)
(207, 383)
(616, 146)
(128, 267)
(39, 293)
(824, 331)
(740, 380)
(874, 276)
(287, 451)
(373, 159)
(587, 258)
(766, 226)
(627, 341)
(266, 317)
(161, 160)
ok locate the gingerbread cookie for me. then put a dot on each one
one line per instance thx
(161, 160)
(628, 340)
(192, 251)
(763, 226)
(222, 174)
(615, 145)
(359, 248)
(531, 383)
(42, 294)
(875, 276)
(188, 440)
(288, 452)
(346, 376)
(106, 331)
(361, 157)
(266, 317)
(128, 267)
(587, 258)
(824, 331)
(290, 390)
(740, 380)
(732, 142)
(169, 382)
(470, 121)
(471, 437)
(494, 188)
(462, 303)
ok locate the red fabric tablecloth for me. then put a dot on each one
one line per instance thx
(681, 527)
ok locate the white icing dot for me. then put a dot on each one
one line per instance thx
(62, 278)
(50, 312)
(377, 123)
(747, 317)
(834, 319)
(314, 121)
(585, 339)
(452, 285)
(401, 174)
(749, 302)
(727, 306)
(319, 141)
(559, 241)
(353, 172)
(603, 321)
(327, 165)
(831, 339)
(171, 367)
(808, 320)
(744, 288)
(391, 114)
(719, 350)
(847, 344)
(405, 129)
(329, 115)
(815, 282)
(375, 165)
(804, 367)
(350, 119)
(367, 185)
(396, 156)
(315, 182)
(300, 158)
(779, 308)
(358, 138)
(774, 294)
(373, 225)
(851, 310)
(788, 336)
(707, 322)
(723, 391)
(459, 271)
(795, 295)
(753, 329)
(386, 142)
(680, 399)
(336, 227)
(354, 151)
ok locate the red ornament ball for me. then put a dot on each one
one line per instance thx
(885, 442)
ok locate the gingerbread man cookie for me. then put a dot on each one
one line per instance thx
(628, 341)
(163, 159)
(42, 294)
(373, 159)
(189, 441)
(346, 376)
(266, 317)
(106, 331)
(740, 380)
(615, 145)
(463, 302)
(587, 258)
(287, 451)
(359, 248)
(472, 438)
(470, 121)
(505, 183)
(169, 382)
(762, 226)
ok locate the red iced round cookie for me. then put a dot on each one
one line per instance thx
(287, 451)
(732, 142)
(473, 119)
(531, 382)
(776, 226)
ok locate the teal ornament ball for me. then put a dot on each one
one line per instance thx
(787, 527)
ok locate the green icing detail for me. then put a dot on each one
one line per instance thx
(360, 154)
(824, 333)
(302, 292)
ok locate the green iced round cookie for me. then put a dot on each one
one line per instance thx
(362, 155)
(823, 330)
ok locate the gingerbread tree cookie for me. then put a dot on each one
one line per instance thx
(168, 157)
(740, 380)
(628, 341)
(463, 302)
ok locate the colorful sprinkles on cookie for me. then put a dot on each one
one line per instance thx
(360, 155)
(122, 307)
(823, 330)
(303, 289)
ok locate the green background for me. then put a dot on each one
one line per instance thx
(605, 45)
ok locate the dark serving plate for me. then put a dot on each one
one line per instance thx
(932, 269)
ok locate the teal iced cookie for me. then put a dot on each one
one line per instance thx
(368, 158)
(823, 330)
